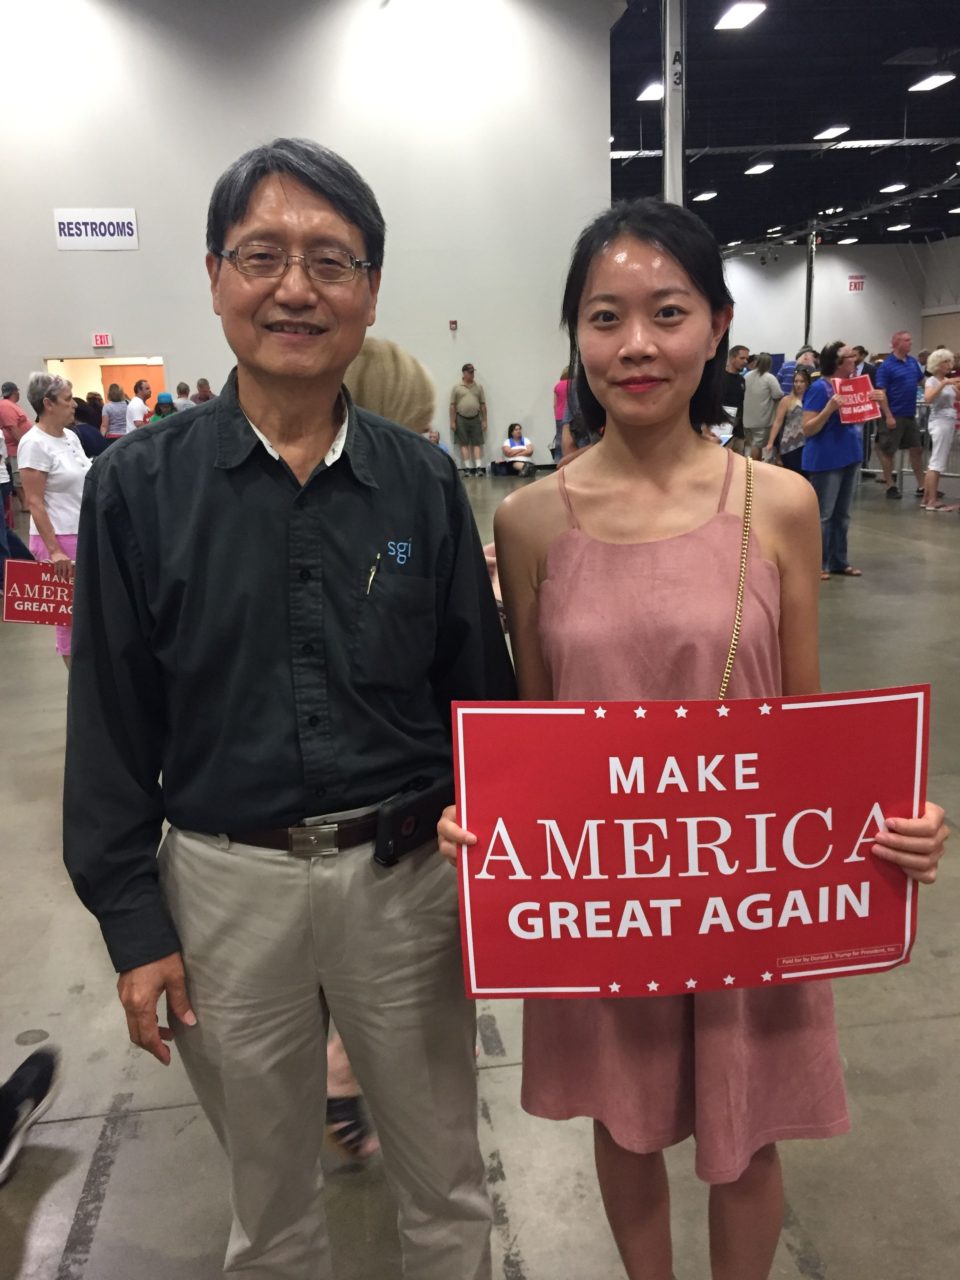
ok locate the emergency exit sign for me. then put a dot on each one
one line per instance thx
(855, 283)
(101, 340)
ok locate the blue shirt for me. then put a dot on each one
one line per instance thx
(837, 443)
(899, 379)
(785, 374)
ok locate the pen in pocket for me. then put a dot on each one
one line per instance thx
(373, 572)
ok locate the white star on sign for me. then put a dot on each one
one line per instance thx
(681, 713)
(728, 980)
(653, 986)
(691, 983)
(723, 712)
(614, 986)
(767, 977)
(641, 713)
(600, 713)
(765, 710)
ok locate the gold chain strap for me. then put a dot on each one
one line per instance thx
(741, 583)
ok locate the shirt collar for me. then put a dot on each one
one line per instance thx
(237, 437)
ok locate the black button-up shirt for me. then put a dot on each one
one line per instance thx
(269, 651)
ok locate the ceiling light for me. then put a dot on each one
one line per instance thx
(848, 240)
(611, 137)
(759, 168)
(957, 210)
(739, 16)
(705, 195)
(894, 186)
(834, 131)
(899, 226)
(749, 253)
(933, 82)
(732, 243)
(652, 93)
(772, 230)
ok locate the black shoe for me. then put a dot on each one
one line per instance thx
(25, 1097)
(894, 492)
(481, 471)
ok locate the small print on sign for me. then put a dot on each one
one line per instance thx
(667, 848)
(32, 592)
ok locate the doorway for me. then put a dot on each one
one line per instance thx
(97, 373)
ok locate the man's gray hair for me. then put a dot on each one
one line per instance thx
(43, 386)
(308, 163)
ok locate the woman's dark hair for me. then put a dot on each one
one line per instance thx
(801, 371)
(511, 426)
(114, 393)
(86, 412)
(315, 167)
(830, 358)
(686, 238)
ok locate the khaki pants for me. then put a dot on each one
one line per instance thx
(273, 945)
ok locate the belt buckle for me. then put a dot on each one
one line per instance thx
(318, 841)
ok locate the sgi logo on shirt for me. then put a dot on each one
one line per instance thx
(401, 551)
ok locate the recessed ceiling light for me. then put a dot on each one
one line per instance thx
(759, 168)
(957, 210)
(834, 131)
(773, 230)
(705, 195)
(933, 82)
(899, 226)
(732, 243)
(611, 137)
(749, 253)
(739, 16)
(848, 240)
(652, 93)
(894, 186)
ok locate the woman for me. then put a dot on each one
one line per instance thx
(832, 456)
(761, 391)
(165, 407)
(788, 423)
(114, 420)
(561, 390)
(518, 451)
(619, 573)
(53, 467)
(940, 393)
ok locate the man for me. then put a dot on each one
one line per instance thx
(287, 662)
(137, 412)
(434, 437)
(864, 367)
(733, 391)
(899, 376)
(182, 399)
(14, 423)
(806, 357)
(203, 392)
(468, 420)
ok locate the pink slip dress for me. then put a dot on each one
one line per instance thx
(735, 1069)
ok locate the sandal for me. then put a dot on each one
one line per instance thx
(348, 1130)
(849, 572)
(824, 576)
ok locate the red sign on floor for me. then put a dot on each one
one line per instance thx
(854, 397)
(32, 592)
(662, 848)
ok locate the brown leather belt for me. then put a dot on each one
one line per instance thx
(321, 839)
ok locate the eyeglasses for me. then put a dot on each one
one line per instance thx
(326, 265)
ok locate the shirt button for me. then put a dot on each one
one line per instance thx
(307, 649)
(313, 721)
(304, 575)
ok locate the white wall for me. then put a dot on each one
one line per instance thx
(482, 126)
(770, 298)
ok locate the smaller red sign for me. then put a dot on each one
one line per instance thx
(102, 340)
(854, 396)
(32, 592)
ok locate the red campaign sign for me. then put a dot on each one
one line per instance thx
(666, 847)
(854, 396)
(32, 592)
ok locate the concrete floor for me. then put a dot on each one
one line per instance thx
(123, 1178)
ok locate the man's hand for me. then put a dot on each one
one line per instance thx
(140, 989)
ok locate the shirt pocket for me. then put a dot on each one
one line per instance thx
(394, 637)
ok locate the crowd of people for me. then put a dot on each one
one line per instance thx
(306, 765)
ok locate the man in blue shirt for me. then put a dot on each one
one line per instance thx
(899, 376)
(806, 357)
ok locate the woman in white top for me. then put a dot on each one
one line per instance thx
(761, 391)
(518, 450)
(940, 393)
(53, 468)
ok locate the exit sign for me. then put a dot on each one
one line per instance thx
(855, 283)
(101, 340)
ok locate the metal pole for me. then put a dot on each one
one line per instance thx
(808, 302)
(673, 22)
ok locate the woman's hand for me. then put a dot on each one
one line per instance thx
(451, 837)
(63, 566)
(916, 845)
